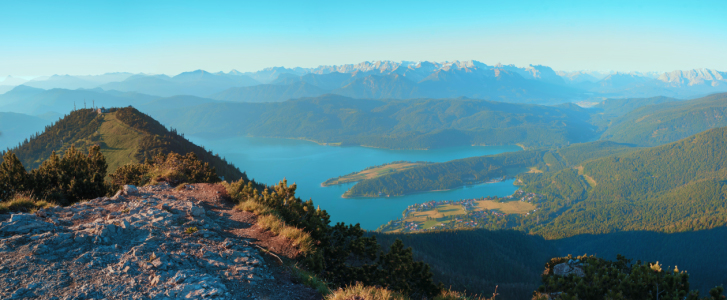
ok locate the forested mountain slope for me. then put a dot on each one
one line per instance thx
(595, 188)
(477, 260)
(125, 135)
(669, 188)
(607, 110)
(667, 122)
(474, 170)
(398, 124)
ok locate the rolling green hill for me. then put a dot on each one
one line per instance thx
(125, 135)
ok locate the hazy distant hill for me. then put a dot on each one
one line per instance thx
(14, 128)
(125, 135)
(12, 81)
(388, 80)
(75, 82)
(195, 83)
(603, 113)
(33, 101)
(269, 92)
(419, 123)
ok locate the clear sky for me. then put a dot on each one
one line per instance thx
(94, 37)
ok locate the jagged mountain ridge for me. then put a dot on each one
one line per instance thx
(403, 80)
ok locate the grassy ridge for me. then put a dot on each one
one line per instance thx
(125, 136)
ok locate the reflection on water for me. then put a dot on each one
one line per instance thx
(309, 164)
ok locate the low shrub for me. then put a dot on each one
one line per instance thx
(172, 168)
(359, 291)
(23, 203)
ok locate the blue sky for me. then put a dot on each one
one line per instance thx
(93, 37)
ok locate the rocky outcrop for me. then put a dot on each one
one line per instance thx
(571, 267)
(146, 243)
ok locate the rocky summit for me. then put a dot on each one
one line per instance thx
(154, 242)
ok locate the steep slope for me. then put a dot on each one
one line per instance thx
(125, 135)
(669, 188)
(668, 121)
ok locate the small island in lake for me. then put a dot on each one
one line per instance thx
(374, 171)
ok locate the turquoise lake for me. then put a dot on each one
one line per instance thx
(308, 164)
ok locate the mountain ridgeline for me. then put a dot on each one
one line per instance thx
(399, 80)
(125, 136)
(393, 124)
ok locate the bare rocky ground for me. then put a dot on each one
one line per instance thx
(138, 245)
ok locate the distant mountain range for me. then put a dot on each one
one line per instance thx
(400, 80)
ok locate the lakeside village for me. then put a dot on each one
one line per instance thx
(466, 213)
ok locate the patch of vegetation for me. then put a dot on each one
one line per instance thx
(23, 203)
(68, 179)
(172, 168)
(191, 230)
(360, 291)
(342, 254)
(309, 279)
(619, 279)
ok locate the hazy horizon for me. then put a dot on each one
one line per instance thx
(171, 37)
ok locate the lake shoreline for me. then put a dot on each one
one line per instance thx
(431, 191)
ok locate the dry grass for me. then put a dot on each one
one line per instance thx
(373, 173)
(361, 292)
(24, 203)
(310, 279)
(269, 220)
(509, 207)
(454, 295)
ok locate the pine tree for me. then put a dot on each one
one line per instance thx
(13, 177)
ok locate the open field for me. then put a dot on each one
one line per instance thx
(372, 172)
(444, 214)
(510, 207)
